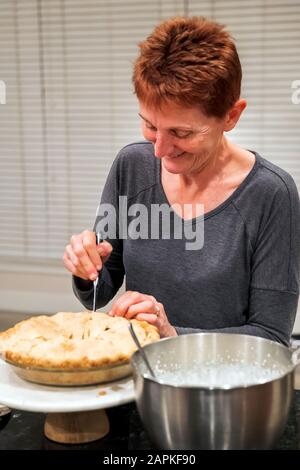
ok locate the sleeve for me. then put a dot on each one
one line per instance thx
(274, 288)
(112, 274)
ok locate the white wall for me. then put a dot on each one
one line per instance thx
(297, 322)
(26, 293)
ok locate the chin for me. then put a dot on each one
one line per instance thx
(176, 165)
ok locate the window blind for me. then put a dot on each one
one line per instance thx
(69, 108)
(267, 34)
(67, 66)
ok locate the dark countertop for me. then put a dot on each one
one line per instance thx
(25, 431)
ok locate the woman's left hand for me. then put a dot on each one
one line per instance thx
(143, 307)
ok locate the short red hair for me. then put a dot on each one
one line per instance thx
(190, 61)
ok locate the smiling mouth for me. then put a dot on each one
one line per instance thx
(177, 156)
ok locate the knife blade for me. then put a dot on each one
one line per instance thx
(99, 239)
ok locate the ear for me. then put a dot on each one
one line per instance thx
(234, 114)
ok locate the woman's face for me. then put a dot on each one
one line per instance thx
(185, 139)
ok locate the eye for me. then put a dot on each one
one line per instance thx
(181, 134)
(150, 127)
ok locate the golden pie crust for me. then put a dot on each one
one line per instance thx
(73, 340)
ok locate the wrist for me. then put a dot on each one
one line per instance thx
(82, 284)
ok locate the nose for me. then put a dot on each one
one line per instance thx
(163, 145)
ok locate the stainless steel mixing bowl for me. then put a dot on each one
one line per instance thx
(191, 417)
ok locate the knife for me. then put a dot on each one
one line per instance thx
(99, 239)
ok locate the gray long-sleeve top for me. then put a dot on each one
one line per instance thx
(245, 278)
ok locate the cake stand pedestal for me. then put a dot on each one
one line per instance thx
(77, 427)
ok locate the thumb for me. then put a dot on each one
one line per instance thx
(104, 249)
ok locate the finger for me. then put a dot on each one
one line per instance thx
(68, 264)
(81, 271)
(73, 269)
(85, 263)
(120, 307)
(104, 249)
(90, 246)
(147, 306)
(148, 317)
(71, 256)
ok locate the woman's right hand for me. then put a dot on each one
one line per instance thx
(83, 257)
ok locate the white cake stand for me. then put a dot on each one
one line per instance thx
(75, 414)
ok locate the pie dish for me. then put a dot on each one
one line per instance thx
(73, 348)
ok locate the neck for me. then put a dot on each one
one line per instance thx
(213, 170)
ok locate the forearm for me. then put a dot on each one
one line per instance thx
(271, 315)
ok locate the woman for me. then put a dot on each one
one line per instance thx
(244, 278)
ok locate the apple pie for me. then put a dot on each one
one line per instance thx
(73, 340)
